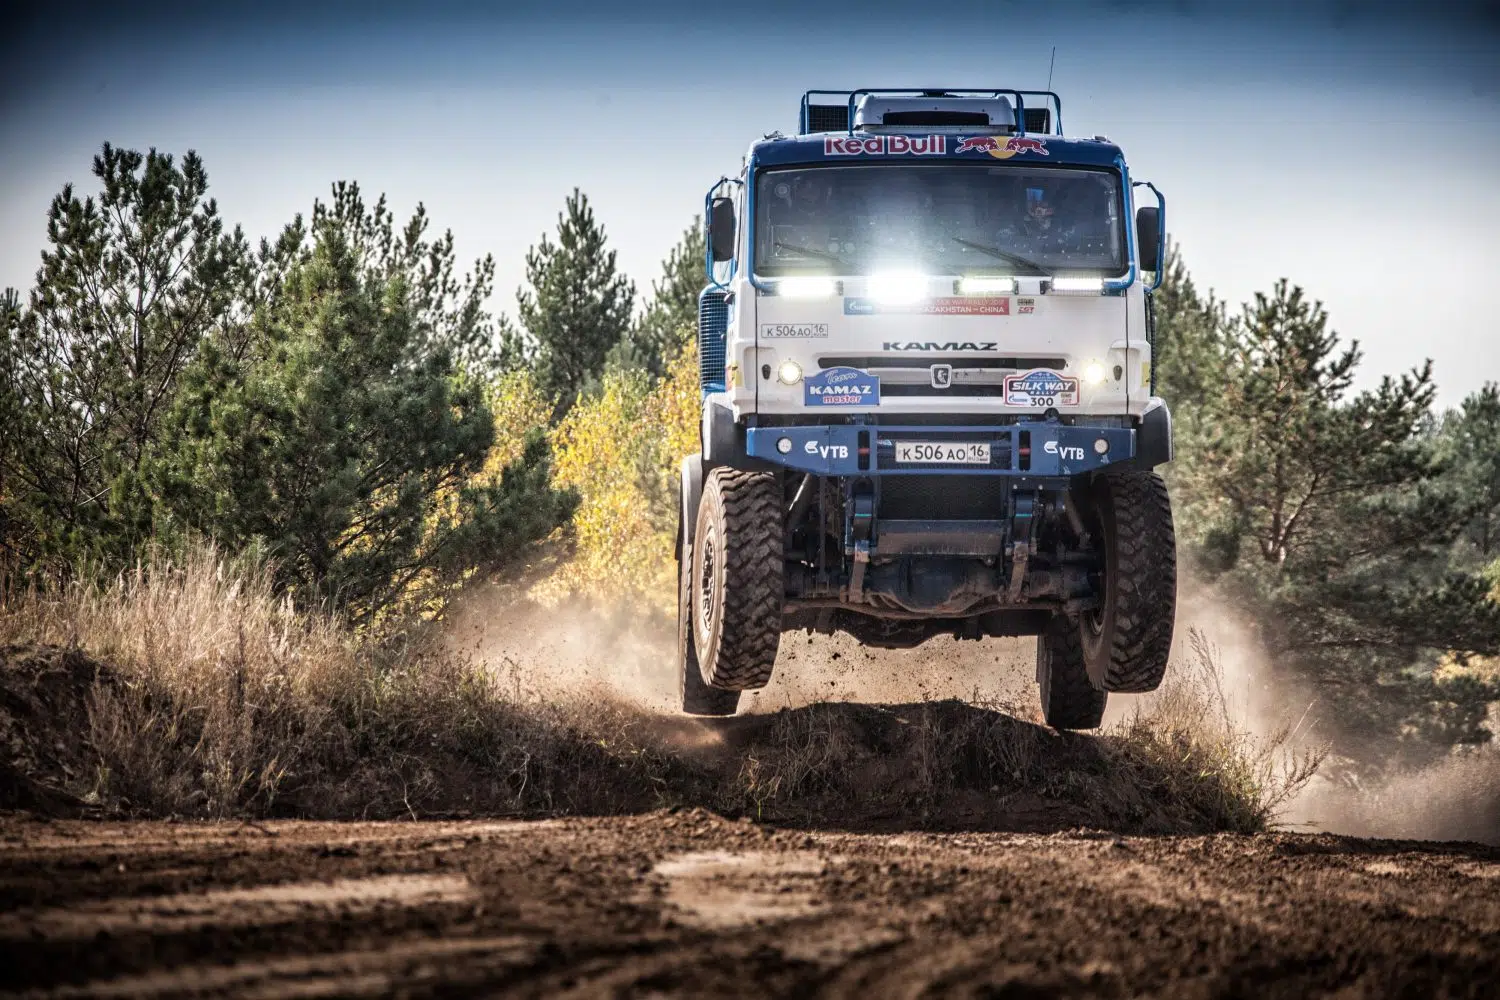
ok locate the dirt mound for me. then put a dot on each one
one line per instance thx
(435, 742)
(45, 759)
(943, 765)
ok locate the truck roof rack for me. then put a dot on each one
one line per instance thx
(937, 109)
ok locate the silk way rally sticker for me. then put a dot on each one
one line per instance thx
(1040, 387)
(841, 386)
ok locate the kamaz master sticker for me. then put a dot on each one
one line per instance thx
(1040, 387)
(793, 331)
(841, 386)
(958, 305)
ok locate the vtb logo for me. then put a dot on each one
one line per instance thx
(942, 376)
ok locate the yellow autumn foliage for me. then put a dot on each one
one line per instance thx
(620, 450)
(519, 406)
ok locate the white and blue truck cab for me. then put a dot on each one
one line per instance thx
(925, 353)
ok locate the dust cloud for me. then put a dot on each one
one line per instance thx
(579, 650)
(584, 652)
(1456, 798)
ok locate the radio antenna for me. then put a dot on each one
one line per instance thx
(1050, 63)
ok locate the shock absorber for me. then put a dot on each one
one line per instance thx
(858, 527)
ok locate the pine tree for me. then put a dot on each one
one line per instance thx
(1328, 515)
(130, 284)
(1470, 443)
(1187, 353)
(450, 309)
(577, 307)
(672, 317)
(346, 439)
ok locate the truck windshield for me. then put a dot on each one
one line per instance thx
(938, 219)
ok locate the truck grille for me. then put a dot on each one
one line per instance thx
(966, 390)
(911, 375)
(713, 323)
(922, 362)
(957, 498)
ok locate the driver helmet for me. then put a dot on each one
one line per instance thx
(1039, 209)
(808, 192)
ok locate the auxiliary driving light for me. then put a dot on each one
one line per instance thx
(789, 373)
(806, 287)
(784, 445)
(1065, 284)
(1093, 373)
(986, 286)
(898, 288)
(1100, 446)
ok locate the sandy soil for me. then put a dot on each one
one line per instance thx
(688, 903)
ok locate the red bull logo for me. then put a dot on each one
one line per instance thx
(978, 143)
(885, 145)
(1002, 148)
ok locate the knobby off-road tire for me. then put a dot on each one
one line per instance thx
(1069, 698)
(697, 697)
(737, 578)
(1125, 641)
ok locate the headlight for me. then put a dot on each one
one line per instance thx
(1093, 373)
(789, 373)
(899, 288)
(986, 286)
(806, 287)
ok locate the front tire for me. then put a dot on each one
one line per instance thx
(697, 698)
(1126, 640)
(737, 582)
(1069, 698)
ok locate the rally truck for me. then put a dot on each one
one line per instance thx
(928, 407)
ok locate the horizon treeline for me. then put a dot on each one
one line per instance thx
(342, 400)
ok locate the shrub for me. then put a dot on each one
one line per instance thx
(620, 451)
(1186, 738)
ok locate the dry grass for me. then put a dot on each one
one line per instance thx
(1211, 764)
(217, 699)
(189, 689)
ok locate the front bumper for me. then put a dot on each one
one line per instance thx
(1038, 449)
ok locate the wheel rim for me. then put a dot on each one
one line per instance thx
(706, 588)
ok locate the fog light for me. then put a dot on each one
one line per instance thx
(784, 445)
(1101, 446)
(1093, 373)
(790, 373)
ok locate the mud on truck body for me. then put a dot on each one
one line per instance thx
(925, 355)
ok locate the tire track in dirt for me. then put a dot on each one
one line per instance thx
(692, 904)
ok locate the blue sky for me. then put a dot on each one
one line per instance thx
(1350, 147)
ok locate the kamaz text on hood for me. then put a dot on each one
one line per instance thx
(944, 345)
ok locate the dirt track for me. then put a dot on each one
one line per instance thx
(692, 904)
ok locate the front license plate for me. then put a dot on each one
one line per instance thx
(944, 452)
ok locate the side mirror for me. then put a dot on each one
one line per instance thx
(1148, 237)
(721, 230)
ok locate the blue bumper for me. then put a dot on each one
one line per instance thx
(1033, 449)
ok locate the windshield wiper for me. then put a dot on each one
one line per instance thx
(1004, 255)
(798, 248)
